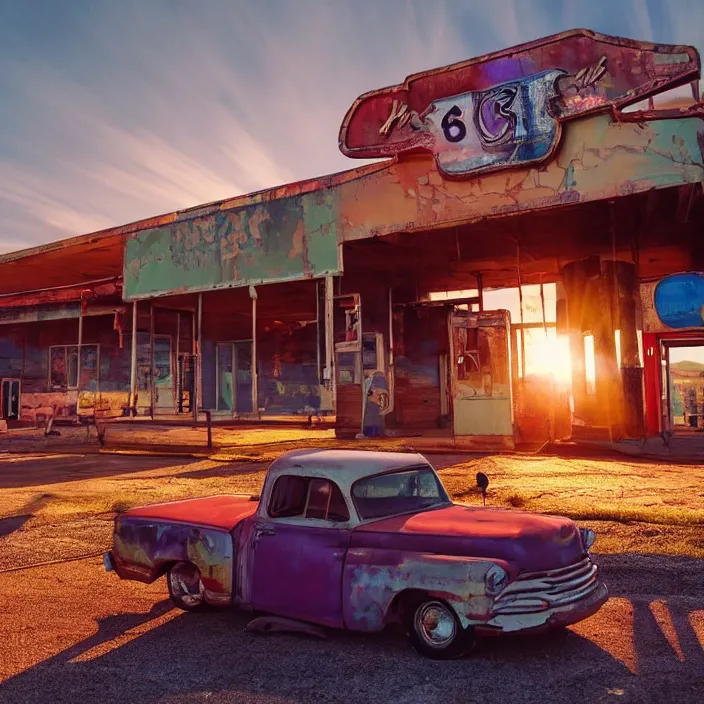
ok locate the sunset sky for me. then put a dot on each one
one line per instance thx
(112, 111)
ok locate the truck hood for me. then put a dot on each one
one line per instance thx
(527, 541)
(223, 512)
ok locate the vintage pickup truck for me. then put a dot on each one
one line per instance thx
(358, 540)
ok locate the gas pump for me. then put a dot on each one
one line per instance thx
(377, 400)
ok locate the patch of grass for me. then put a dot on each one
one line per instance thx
(515, 500)
(663, 515)
(546, 503)
(121, 505)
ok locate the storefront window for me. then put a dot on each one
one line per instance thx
(64, 367)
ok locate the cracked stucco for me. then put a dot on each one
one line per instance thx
(287, 235)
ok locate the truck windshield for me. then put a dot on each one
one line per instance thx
(398, 492)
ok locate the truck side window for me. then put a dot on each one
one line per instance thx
(288, 497)
(325, 501)
(309, 497)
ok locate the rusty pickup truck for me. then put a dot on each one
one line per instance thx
(358, 540)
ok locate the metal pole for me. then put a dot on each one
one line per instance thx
(197, 345)
(80, 342)
(330, 340)
(194, 351)
(78, 361)
(152, 390)
(520, 306)
(177, 376)
(133, 363)
(317, 326)
(255, 375)
(392, 367)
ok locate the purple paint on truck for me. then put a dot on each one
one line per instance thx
(357, 540)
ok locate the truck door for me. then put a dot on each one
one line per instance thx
(297, 551)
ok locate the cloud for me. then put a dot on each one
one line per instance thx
(127, 110)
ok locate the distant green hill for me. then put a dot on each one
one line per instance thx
(688, 366)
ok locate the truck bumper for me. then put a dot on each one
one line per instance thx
(555, 617)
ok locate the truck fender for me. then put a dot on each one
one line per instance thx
(375, 581)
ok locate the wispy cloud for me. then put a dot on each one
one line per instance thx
(119, 111)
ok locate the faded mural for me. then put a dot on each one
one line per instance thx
(278, 240)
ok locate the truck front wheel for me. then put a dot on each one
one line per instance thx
(436, 632)
(185, 587)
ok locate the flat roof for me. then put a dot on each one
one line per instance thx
(99, 255)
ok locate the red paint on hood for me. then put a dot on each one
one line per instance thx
(472, 521)
(529, 541)
(223, 512)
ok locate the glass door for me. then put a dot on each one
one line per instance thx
(685, 385)
(234, 376)
(481, 374)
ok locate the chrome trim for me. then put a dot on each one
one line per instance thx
(533, 592)
(217, 598)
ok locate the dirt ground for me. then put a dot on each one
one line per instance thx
(71, 632)
(57, 506)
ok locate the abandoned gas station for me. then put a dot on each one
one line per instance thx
(523, 264)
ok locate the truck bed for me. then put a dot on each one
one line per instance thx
(222, 512)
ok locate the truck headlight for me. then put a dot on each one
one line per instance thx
(496, 579)
(588, 537)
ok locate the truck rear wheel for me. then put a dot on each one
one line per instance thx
(436, 632)
(185, 586)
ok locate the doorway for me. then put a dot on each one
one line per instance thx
(185, 383)
(11, 399)
(233, 376)
(481, 374)
(683, 385)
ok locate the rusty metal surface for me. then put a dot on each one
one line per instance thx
(143, 548)
(506, 108)
(373, 579)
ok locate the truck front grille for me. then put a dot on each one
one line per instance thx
(538, 591)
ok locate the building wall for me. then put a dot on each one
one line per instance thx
(292, 237)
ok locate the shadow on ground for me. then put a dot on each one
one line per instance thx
(11, 524)
(208, 657)
(21, 471)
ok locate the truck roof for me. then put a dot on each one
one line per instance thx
(343, 466)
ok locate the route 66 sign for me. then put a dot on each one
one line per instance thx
(508, 124)
(506, 109)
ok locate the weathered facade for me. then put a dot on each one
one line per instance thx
(520, 268)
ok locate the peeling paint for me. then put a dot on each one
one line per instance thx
(477, 115)
(374, 578)
(143, 548)
(277, 240)
(361, 574)
(599, 158)
(296, 237)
